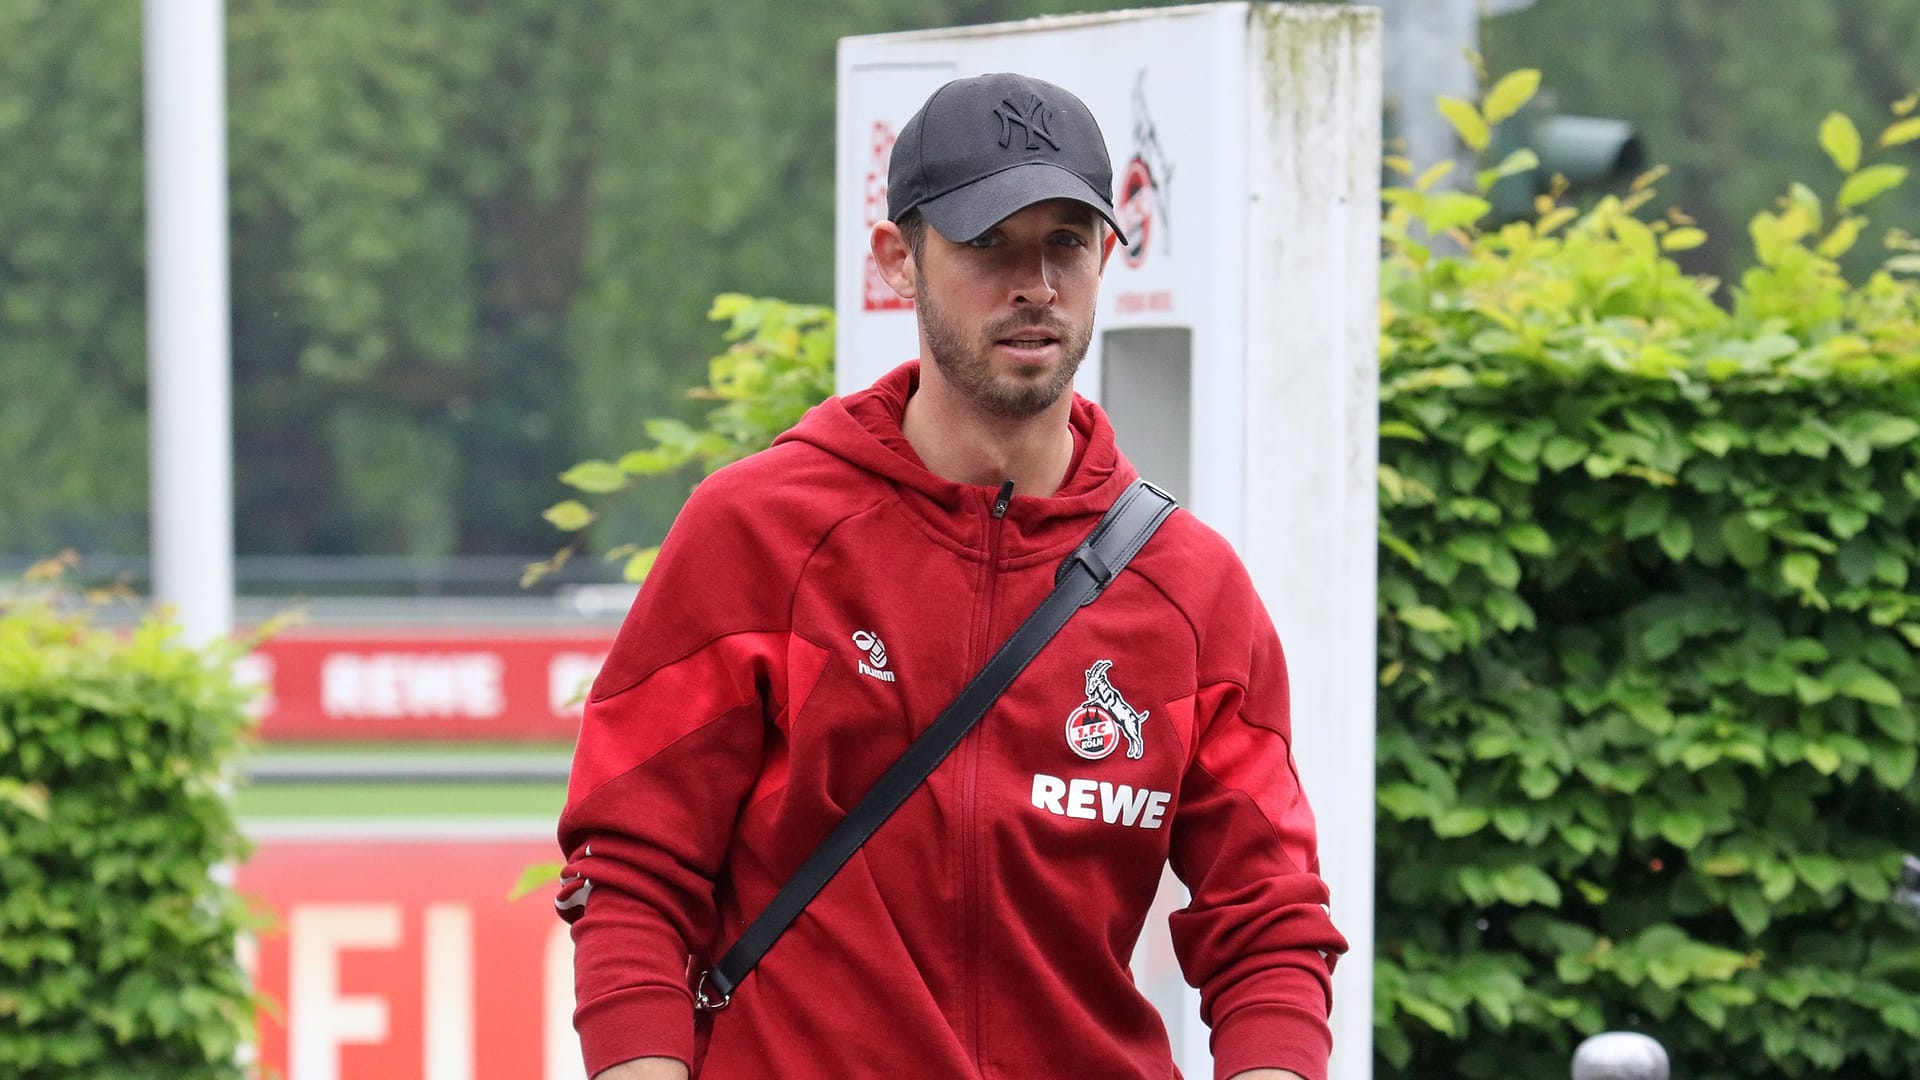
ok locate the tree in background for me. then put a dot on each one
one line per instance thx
(1723, 93)
(469, 248)
(72, 300)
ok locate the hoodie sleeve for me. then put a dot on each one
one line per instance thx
(1255, 937)
(669, 750)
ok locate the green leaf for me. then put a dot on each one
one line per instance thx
(1676, 538)
(1520, 161)
(538, 876)
(1432, 1015)
(1473, 549)
(1481, 439)
(1800, 570)
(1896, 723)
(1513, 822)
(1824, 759)
(1645, 515)
(1434, 174)
(1871, 183)
(595, 477)
(1901, 132)
(1453, 209)
(1563, 452)
(29, 799)
(1429, 619)
(1725, 865)
(1682, 829)
(1857, 681)
(1841, 140)
(1716, 443)
(1511, 94)
(1529, 539)
(1744, 542)
(639, 565)
(1894, 767)
(1804, 199)
(1467, 122)
(1526, 884)
(1845, 233)
(1711, 1013)
(1812, 691)
(1884, 430)
(671, 434)
(1684, 239)
(1821, 873)
(1459, 821)
(650, 462)
(1407, 801)
(1751, 910)
(569, 516)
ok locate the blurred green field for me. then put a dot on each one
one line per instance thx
(436, 799)
(278, 786)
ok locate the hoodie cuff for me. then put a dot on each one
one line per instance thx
(648, 1021)
(1272, 1037)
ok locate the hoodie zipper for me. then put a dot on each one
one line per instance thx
(973, 842)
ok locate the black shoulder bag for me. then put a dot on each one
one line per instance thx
(1081, 578)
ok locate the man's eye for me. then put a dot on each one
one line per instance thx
(1071, 240)
(980, 242)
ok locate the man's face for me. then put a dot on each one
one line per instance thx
(1007, 318)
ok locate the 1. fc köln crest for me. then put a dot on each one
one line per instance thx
(1095, 728)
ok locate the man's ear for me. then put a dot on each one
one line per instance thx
(1106, 247)
(893, 257)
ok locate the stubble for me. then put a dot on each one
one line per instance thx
(967, 366)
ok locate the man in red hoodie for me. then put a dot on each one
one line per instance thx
(814, 608)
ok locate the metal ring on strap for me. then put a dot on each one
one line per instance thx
(703, 1002)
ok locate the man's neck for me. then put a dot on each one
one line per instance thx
(959, 442)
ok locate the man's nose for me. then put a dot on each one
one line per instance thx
(1033, 281)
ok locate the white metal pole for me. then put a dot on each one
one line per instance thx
(188, 337)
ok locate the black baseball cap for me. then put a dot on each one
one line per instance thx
(984, 148)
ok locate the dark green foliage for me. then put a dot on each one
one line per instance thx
(1650, 607)
(1722, 92)
(778, 364)
(471, 245)
(72, 301)
(117, 941)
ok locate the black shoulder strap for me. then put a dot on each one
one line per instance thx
(1082, 577)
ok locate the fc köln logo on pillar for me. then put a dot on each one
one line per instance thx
(1096, 728)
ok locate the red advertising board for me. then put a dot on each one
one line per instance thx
(369, 686)
(401, 958)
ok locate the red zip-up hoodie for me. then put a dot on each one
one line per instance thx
(813, 609)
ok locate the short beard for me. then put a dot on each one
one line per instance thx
(965, 366)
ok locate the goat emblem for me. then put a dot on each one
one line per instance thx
(1095, 728)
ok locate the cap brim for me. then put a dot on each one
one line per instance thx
(964, 213)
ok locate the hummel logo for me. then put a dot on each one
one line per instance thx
(876, 652)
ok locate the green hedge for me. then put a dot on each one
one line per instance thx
(117, 943)
(1649, 620)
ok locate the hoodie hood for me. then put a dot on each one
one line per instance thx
(863, 429)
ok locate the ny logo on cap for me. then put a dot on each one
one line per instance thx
(1030, 115)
